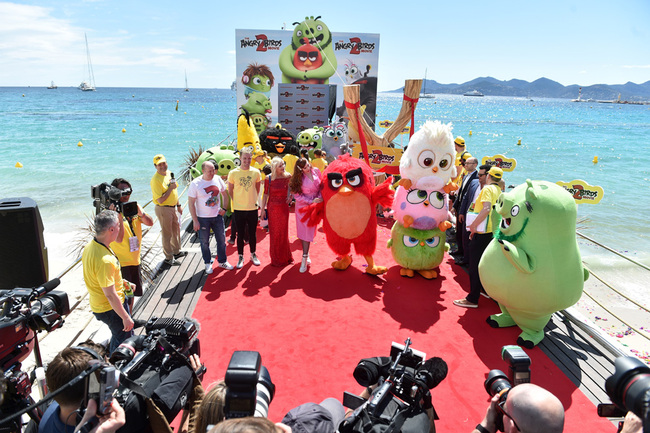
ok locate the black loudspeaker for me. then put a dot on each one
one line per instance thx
(23, 255)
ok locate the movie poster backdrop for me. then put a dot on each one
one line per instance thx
(270, 52)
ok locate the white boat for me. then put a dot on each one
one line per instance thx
(424, 94)
(52, 86)
(187, 89)
(89, 85)
(473, 93)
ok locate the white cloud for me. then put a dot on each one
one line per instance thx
(636, 66)
(168, 51)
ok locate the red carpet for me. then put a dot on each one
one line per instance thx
(311, 330)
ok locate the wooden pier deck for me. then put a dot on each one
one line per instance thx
(585, 361)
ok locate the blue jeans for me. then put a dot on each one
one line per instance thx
(216, 224)
(115, 324)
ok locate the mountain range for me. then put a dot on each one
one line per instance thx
(541, 88)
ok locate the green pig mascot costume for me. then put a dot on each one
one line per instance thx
(532, 267)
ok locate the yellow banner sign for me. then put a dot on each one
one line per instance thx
(505, 164)
(388, 123)
(383, 159)
(582, 192)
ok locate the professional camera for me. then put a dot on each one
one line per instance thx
(249, 388)
(100, 385)
(629, 390)
(25, 312)
(498, 383)
(156, 366)
(106, 194)
(402, 396)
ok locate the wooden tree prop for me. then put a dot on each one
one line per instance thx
(360, 132)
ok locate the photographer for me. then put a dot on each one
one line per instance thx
(61, 415)
(101, 271)
(128, 251)
(528, 408)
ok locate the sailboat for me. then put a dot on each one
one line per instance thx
(52, 86)
(187, 89)
(424, 94)
(89, 85)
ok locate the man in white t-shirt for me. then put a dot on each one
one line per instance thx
(204, 201)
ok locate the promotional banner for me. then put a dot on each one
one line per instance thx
(310, 54)
(582, 192)
(382, 159)
(504, 163)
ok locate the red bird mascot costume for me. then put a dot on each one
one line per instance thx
(348, 210)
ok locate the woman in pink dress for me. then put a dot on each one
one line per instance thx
(305, 187)
(276, 204)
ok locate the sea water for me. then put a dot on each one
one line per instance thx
(121, 129)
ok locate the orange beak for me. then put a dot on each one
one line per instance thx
(307, 63)
(421, 243)
(345, 191)
(434, 169)
(426, 202)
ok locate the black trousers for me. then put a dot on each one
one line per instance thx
(477, 246)
(246, 221)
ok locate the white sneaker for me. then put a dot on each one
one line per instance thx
(304, 264)
(208, 268)
(240, 262)
(308, 260)
(227, 266)
(255, 260)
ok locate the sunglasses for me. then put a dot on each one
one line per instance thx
(501, 406)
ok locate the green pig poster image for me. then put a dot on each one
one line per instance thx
(308, 53)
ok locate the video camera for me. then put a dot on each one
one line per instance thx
(629, 390)
(156, 366)
(402, 396)
(498, 382)
(25, 312)
(249, 387)
(106, 194)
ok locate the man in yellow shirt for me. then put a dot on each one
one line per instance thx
(165, 197)
(243, 187)
(101, 271)
(479, 239)
(128, 251)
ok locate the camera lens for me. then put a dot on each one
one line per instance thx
(496, 382)
(368, 370)
(629, 386)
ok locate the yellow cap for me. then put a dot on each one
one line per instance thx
(465, 155)
(158, 159)
(460, 141)
(496, 173)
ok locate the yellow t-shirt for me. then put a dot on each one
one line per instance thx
(489, 193)
(290, 162)
(319, 163)
(245, 192)
(101, 269)
(123, 249)
(159, 186)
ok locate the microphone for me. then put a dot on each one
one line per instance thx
(47, 287)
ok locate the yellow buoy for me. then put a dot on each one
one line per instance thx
(140, 123)
(184, 112)
(519, 142)
(595, 161)
(23, 95)
(19, 165)
(123, 129)
(80, 144)
(470, 132)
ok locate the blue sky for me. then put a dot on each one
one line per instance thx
(149, 43)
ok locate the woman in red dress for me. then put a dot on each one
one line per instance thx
(276, 204)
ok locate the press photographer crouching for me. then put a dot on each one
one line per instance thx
(152, 377)
(398, 393)
(516, 404)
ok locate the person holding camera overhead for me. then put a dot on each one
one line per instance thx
(165, 197)
(128, 251)
(103, 278)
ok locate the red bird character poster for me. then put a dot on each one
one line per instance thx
(349, 189)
